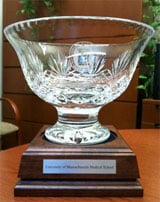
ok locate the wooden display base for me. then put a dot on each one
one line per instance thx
(108, 169)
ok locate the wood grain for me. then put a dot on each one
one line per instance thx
(145, 143)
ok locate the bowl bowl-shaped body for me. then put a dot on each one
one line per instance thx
(78, 64)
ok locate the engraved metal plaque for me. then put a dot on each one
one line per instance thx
(70, 166)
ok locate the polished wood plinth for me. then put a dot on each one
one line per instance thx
(120, 181)
(144, 142)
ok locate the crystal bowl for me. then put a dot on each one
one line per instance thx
(78, 64)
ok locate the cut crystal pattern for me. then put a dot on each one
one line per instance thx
(89, 63)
